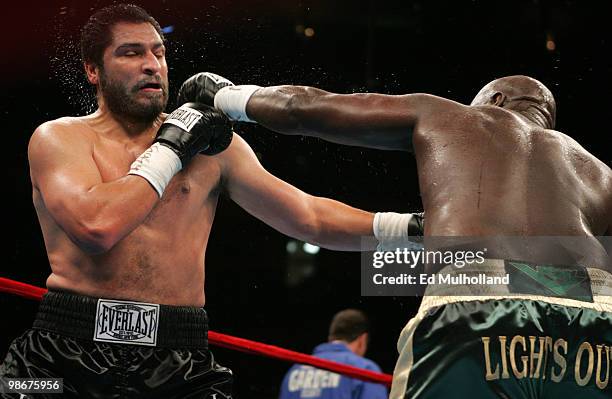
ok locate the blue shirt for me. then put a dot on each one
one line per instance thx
(302, 382)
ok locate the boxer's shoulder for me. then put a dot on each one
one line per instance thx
(64, 126)
(70, 132)
(429, 103)
(236, 151)
(67, 122)
(237, 161)
(442, 117)
(572, 151)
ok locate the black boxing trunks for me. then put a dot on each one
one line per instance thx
(511, 347)
(117, 349)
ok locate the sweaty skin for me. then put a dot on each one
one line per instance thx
(107, 234)
(495, 168)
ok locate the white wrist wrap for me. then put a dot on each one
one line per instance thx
(391, 230)
(158, 164)
(232, 100)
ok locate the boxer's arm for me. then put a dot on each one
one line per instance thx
(94, 214)
(364, 119)
(321, 221)
(368, 120)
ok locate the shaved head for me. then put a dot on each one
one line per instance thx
(522, 94)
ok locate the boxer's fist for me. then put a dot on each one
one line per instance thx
(201, 88)
(195, 128)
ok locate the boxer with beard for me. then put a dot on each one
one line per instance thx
(126, 198)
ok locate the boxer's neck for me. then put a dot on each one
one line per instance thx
(119, 127)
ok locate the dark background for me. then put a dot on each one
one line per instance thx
(255, 289)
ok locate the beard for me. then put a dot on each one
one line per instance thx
(123, 101)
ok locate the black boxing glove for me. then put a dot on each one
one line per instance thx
(202, 88)
(416, 226)
(211, 89)
(193, 128)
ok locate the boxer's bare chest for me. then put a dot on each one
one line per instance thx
(195, 187)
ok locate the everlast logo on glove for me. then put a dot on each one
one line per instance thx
(184, 117)
(126, 322)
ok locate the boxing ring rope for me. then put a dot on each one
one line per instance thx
(234, 343)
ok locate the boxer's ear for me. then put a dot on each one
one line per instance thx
(498, 99)
(93, 73)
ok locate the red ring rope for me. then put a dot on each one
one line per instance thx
(235, 343)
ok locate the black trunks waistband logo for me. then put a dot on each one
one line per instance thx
(126, 322)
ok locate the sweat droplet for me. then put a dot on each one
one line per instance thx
(67, 69)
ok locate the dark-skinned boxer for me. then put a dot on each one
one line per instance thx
(494, 168)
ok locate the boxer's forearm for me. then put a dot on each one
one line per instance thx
(367, 120)
(340, 227)
(103, 215)
(284, 109)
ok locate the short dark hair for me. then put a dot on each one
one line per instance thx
(347, 325)
(96, 34)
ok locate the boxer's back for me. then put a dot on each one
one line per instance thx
(488, 171)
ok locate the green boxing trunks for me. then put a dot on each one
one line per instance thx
(514, 346)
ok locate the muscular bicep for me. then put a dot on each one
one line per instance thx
(273, 201)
